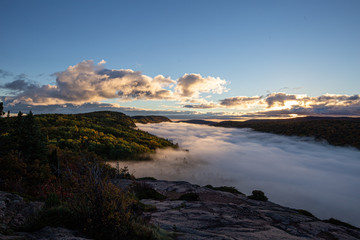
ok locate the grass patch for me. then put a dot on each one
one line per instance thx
(224, 189)
(189, 197)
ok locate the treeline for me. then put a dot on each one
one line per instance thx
(150, 119)
(336, 131)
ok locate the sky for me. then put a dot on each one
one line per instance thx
(181, 58)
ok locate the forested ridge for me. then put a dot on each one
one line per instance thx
(61, 159)
(338, 131)
(109, 135)
(150, 119)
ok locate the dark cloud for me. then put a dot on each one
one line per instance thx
(200, 106)
(19, 85)
(4, 73)
(240, 101)
(278, 98)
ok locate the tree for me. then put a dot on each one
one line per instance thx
(32, 143)
(1, 109)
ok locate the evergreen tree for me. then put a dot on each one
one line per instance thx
(32, 143)
(1, 109)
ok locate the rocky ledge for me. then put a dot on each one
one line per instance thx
(15, 211)
(201, 213)
(223, 215)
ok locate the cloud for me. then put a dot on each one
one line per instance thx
(297, 172)
(279, 99)
(4, 73)
(18, 85)
(282, 103)
(91, 107)
(192, 85)
(241, 101)
(201, 106)
(88, 82)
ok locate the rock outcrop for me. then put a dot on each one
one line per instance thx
(204, 214)
(15, 211)
(224, 215)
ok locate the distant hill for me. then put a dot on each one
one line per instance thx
(338, 131)
(150, 119)
(108, 135)
(199, 121)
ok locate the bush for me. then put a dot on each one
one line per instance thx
(52, 200)
(60, 216)
(189, 197)
(100, 209)
(258, 195)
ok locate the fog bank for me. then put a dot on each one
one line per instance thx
(292, 171)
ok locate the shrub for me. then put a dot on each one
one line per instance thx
(60, 216)
(258, 195)
(189, 197)
(52, 200)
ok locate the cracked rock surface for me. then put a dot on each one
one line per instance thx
(223, 215)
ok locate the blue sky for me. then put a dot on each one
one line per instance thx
(258, 47)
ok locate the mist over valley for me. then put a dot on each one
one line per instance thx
(297, 172)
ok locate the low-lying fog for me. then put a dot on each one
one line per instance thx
(292, 171)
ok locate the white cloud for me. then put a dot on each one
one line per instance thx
(192, 85)
(88, 82)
